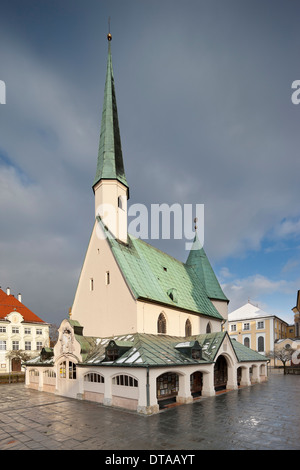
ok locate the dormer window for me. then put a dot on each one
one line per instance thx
(191, 349)
(172, 293)
(116, 349)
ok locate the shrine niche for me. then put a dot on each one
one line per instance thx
(167, 386)
(66, 341)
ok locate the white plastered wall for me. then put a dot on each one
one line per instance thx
(148, 313)
(103, 309)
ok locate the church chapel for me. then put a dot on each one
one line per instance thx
(145, 331)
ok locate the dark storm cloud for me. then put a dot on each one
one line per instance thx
(204, 99)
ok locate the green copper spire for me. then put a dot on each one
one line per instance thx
(198, 260)
(110, 158)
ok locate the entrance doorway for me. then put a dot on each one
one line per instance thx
(220, 374)
(16, 364)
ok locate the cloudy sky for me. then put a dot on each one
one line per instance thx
(206, 117)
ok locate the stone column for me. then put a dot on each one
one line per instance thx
(245, 378)
(255, 374)
(80, 375)
(41, 381)
(184, 392)
(208, 389)
(147, 396)
(107, 400)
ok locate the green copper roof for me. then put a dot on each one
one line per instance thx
(162, 350)
(155, 276)
(245, 354)
(198, 260)
(110, 159)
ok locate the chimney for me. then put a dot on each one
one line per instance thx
(8, 290)
(20, 298)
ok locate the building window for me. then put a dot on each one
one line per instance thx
(39, 331)
(72, 370)
(2, 329)
(15, 345)
(62, 370)
(39, 345)
(27, 331)
(161, 324)
(107, 278)
(91, 284)
(247, 342)
(260, 344)
(188, 328)
(27, 345)
(260, 325)
(2, 345)
(94, 377)
(49, 373)
(208, 328)
(246, 326)
(125, 380)
(15, 329)
(232, 327)
(120, 202)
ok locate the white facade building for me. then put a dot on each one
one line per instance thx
(20, 331)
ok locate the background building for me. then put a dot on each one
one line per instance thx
(256, 329)
(296, 311)
(20, 331)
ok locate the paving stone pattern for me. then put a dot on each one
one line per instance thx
(262, 417)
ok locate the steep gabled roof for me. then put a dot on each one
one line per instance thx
(9, 303)
(158, 277)
(198, 260)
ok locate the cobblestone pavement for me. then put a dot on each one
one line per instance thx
(265, 416)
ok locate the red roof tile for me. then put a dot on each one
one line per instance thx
(9, 303)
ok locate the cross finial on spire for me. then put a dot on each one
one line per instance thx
(109, 36)
(195, 221)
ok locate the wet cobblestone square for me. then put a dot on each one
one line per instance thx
(265, 416)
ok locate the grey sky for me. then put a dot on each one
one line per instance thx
(204, 100)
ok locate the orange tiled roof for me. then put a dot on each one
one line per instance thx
(9, 303)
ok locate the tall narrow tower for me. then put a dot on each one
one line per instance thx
(110, 185)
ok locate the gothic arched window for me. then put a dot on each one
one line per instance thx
(161, 324)
(208, 328)
(188, 328)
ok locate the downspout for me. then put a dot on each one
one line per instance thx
(148, 388)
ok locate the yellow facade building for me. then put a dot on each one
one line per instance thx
(256, 329)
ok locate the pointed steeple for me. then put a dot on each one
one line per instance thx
(110, 159)
(198, 260)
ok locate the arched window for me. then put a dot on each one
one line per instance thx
(161, 324)
(188, 328)
(94, 377)
(260, 344)
(125, 380)
(208, 328)
(247, 342)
